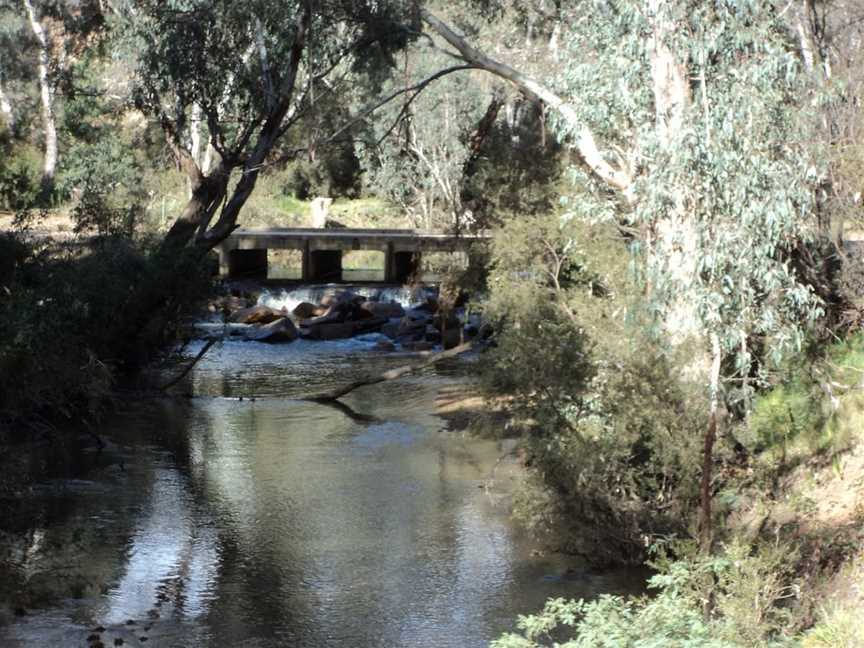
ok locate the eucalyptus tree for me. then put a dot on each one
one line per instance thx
(249, 73)
(687, 118)
(417, 151)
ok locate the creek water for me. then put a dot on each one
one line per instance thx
(270, 521)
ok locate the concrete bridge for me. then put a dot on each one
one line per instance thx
(244, 253)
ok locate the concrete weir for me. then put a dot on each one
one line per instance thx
(244, 253)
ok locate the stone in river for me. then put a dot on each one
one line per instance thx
(282, 330)
(256, 315)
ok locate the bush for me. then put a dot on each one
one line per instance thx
(76, 320)
(747, 590)
(816, 408)
(610, 425)
(20, 184)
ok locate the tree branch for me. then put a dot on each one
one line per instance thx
(392, 374)
(586, 144)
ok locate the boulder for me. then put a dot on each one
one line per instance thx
(228, 304)
(305, 310)
(391, 330)
(281, 330)
(452, 337)
(412, 323)
(419, 345)
(256, 315)
(369, 324)
(327, 331)
(340, 297)
(332, 316)
(383, 309)
(384, 345)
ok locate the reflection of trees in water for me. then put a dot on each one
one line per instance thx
(78, 509)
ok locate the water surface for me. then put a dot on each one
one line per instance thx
(245, 517)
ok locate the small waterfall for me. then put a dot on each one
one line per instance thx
(288, 298)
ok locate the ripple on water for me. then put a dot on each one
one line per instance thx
(276, 521)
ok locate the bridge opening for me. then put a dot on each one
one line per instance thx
(363, 265)
(285, 264)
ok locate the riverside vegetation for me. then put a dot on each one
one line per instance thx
(674, 191)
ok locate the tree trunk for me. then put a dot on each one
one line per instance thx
(47, 96)
(479, 134)
(6, 106)
(586, 144)
(705, 523)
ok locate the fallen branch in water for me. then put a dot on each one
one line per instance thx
(189, 367)
(392, 374)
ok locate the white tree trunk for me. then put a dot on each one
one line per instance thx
(47, 96)
(671, 82)
(6, 107)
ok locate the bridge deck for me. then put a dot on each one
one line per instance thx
(402, 240)
(245, 251)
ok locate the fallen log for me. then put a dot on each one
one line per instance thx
(188, 368)
(391, 374)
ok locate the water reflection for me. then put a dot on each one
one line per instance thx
(280, 522)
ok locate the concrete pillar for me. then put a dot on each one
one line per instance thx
(304, 262)
(247, 264)
(325, 265)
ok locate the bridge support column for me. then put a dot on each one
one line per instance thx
(243, 264)
(400, 266)
(323, 265)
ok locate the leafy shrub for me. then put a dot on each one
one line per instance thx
(611, 425)
(746, 591)
(19, 184)
(818, 406)
(76, 320)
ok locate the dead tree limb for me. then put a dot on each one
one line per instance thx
(392, 374)
(189, 367)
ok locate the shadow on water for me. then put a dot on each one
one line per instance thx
(274, 521)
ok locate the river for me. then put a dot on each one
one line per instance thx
(240, 516)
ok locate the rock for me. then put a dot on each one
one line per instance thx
(412, 323)
(385, 345)
(391, 330)
(383, 309)
(369, 324)
(419, 345)
(452, 337)
(256, 315)
(332, 316)
(282, 330)
(228, 304)
(432, 334)
(340, 297)
(430, 306)
(305, 310)
(327, 331)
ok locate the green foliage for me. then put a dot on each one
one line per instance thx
(104, 176)
(73, 320)
(20, 177)
(746, 589)
(817, 408)
(612, 428)
(725, 210)
(517, 172)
